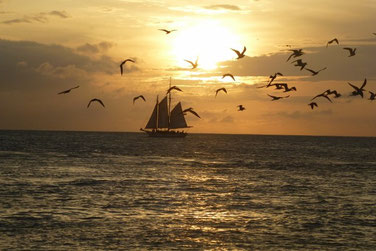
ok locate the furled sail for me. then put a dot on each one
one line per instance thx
(152, 124)
(177, 119)
(163, 114)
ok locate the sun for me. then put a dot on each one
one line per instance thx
(208, 41)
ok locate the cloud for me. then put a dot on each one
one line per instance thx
(223, 7)
(95, 48)
(42, 17)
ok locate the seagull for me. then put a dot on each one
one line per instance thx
(68, 91)
(295, 54)
(314, 73)
(272, 77)
(336, 94)
(173, 88)
(220, 89)
(122, 63)
(373, 96)
(190, 109)
(300, 63)
(95, 99)
(167, 31)
(194, 65)
(287, 89)
(313, 104)
(277, 98)
(240, 55)
(135, 98)
(279, 86)
(358, 91)
(324, 95)
(228, 75)
(351, 50)
(331, 41)
(241, 108)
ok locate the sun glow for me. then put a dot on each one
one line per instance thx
(210, 42)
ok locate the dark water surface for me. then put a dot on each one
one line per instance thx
(113, 191)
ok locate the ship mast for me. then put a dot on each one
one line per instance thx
(157, 108)
(169, 107)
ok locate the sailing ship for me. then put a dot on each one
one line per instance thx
(164, 122)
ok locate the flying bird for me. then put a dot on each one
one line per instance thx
(332, 41)
(194, 65)
(351, 50)
(277, 98)
(295, 54)
(300, 63)
(358, 91)
(190, 109)
(314, 73)
(336, 94)
(220, 89)
(324, 95)
(228, 75)
(68, 91)
(373, 96)
(272, 77)
(240, 55)
(135, 98)
(122, 63)
(97, 100)
(241, 108)
(167, 31)
(287, 89)
(173, 88)
(313, 104)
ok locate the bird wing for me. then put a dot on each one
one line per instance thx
(224, 89)
(353, 86)
(64, 92)
(286, 96)
(143, 98)
(228, 75)
(164, 30)
(325, 96)
(278, 73)
(121, 68)
(274, 97)
(90, 103)
(190, 62)
(349, 49)
(290, 57)
(322, 69)
(100, 101)
(312, 71)
(176, 88)
(364, 83)
(236, 51)
(194, 113)
(135, 98)
(244, 50)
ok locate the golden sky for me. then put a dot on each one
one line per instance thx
(50, 46)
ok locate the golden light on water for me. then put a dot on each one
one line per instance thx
(208, 41)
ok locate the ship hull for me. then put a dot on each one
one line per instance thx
(165, 134)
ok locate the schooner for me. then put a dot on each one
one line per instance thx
(163, 121)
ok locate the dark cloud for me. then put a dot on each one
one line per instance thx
(42, 17)
(223, 7)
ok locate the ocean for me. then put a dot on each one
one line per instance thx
(126, 191)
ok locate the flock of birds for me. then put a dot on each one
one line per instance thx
(298, 62)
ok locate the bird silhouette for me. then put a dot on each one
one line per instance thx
(324, 95)
(279, 86)
(68, 91)
(241, 108)
(277, 98)
(122, 63)
(358, 91)
(194, 65)
(240, 55)
(173, 88)
(314, 73)
(95, 100)
(190, 109)
(313, 104)
(228, 75)
(372, 96)
(295, 54)
(167, 31)
(351, 50)
(300, 63)
(331, 41)
(220, 89)
(272, 77)
(135, 98)
(287, 89)
(336, 94)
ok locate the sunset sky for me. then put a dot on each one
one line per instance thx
(50, 46)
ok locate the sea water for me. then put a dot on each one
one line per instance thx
(124, 191)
